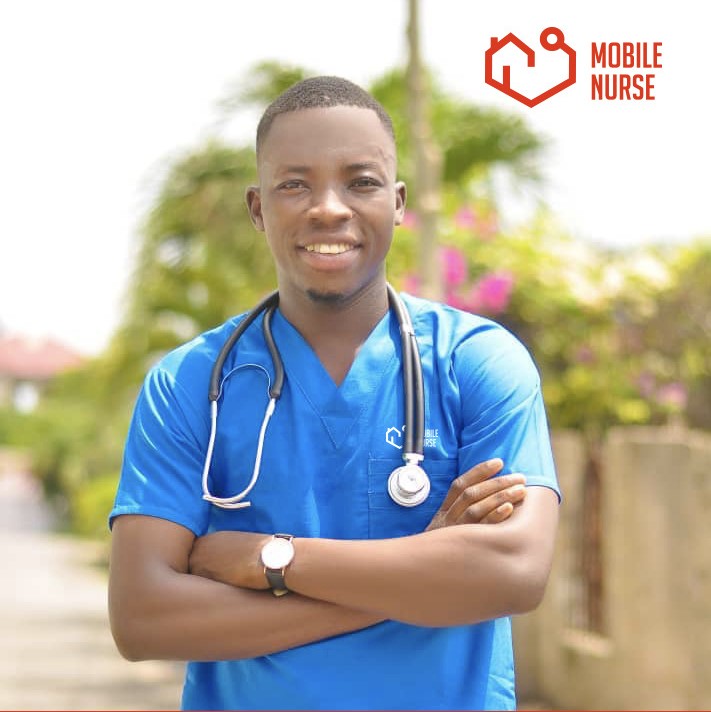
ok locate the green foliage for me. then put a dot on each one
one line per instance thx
(201, 259)
(473, 139)
(673, 334)
(90, 506)
(18, 430)
(261, 85)
(78, 431)
(618, 338)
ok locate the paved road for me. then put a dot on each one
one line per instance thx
(56, 651)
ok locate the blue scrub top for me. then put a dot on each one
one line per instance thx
(327, 456)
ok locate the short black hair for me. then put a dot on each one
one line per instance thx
(317, 93)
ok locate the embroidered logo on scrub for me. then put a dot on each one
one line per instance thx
(393, 436)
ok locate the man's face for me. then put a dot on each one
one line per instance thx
(327, 199)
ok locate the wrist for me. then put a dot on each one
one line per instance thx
(276, 556)
(257, 580)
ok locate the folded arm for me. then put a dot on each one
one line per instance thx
(451, 575)
(448, 576)
(161, 610)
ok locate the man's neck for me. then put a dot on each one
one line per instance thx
(337, 329)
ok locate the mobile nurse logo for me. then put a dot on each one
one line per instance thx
(395, 436)
(530, 76)
(511, 41)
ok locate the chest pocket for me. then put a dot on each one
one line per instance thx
(387, 519)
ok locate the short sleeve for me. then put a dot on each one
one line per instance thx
(502, 409)
(161, 475)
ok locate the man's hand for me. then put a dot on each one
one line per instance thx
(477, 497)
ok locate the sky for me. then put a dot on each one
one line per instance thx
(99, 97)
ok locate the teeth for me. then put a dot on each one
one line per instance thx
(329, 249)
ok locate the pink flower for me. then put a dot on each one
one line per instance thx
(465, 218)
(410, 220)
(493, 291)
(488, 227)
(472, 302)
(456, 301)
(673, 395)
(454, 265)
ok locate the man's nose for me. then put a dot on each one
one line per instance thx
(328, 206)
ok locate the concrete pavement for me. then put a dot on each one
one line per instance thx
(56, 650)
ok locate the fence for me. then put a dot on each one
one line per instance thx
(645, 643)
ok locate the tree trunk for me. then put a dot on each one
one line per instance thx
(427, 165)
(592, 565)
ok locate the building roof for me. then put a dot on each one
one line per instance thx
(35, 359)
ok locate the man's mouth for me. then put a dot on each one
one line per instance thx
(329, 248)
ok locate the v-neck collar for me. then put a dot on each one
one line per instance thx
(338, 407)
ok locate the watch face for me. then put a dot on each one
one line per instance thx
(277, 553)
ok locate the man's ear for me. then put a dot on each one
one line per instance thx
(400, 200)
(254, 206)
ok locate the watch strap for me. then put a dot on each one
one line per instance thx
(275, 578)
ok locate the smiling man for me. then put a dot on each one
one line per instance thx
(327, 202)
(398, 595)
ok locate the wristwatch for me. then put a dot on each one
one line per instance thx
(277, 554)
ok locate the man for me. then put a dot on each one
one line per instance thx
(390, 607)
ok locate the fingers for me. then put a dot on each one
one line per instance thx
(478, 497)
(494, 509)
(479, 473)
(477, 501)
(500, 514)
(470, 494)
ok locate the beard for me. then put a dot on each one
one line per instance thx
(329, 298)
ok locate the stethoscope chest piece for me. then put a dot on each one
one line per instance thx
(408, 485)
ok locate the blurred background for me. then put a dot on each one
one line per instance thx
(583, 226)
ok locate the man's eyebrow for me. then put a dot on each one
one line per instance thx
(364, 166)
(294, 169)
(349, 168)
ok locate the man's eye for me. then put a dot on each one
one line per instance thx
(291, 185)
(365, 182)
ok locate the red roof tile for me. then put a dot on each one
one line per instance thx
(23, 357)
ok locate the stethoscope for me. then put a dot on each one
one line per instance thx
(408, 485)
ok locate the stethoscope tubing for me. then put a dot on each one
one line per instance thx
(268, 303)
(413, 388)
(413, 385)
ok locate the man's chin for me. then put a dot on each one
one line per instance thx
(325, 297)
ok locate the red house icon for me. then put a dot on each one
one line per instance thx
(505, 84)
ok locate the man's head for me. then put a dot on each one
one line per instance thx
(321, 93)
(328, 198)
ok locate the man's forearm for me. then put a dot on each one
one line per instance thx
(207, 620)
(449, 576)
(159, 611)
(461, 578)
